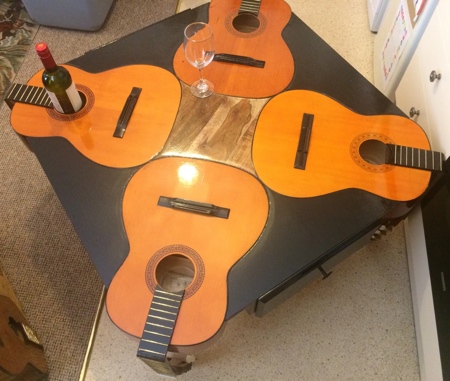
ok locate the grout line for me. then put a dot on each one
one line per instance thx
(98, 314)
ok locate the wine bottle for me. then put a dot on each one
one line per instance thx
(58, 83)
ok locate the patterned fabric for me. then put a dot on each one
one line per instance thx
(17, 32)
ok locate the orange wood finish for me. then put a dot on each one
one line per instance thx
(19, 359)
(266, 43)
(92, 133)
(219, 242)
(333, 162)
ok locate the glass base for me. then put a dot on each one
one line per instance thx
(202, 89)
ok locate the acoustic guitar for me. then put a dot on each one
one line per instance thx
(306, 144)
(188, 222)
(106, 98)
(250, 29)
(21, 354)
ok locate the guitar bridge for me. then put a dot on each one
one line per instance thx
(194, 207)
(303, 143)
(240, 60)
(127, 110)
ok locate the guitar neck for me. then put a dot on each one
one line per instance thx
(33, 95)
(250, 6)
(158, 330)
(414, 158)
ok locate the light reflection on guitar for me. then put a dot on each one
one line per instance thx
(191, 217)
(250, 28)
(91, 129)
(383, 154)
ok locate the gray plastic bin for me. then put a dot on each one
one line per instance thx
(69, 14)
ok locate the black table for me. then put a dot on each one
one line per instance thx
(302, 235)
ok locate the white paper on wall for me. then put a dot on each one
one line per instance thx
(396, 40)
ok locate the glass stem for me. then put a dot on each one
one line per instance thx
(200, 70)
(202, 85)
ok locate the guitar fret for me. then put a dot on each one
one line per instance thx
(153, 342)
(164, 305)
(429, 159)
(161, 318)
(441, 162)
(18, 91)
(154, 336)
(166, 312)
(159, 325)
(24, 88)
(250, 6)
(164, 298)
(44, 99)
(47, 101)
(13, 88)
(167, 293)
(33, 95)
(30, 92)
(150, 351)
(19, 94)
(414, 158)
(156, 333)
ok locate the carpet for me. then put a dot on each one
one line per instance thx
(17, 31)
(40, 253)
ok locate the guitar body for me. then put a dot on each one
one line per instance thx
(169, 245)
(91, 129)
(335, 158)
(265, 43)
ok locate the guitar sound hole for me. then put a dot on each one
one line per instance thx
(87, 99)
(83, 103)
(373, 152)
(246, 23)
(175, 273)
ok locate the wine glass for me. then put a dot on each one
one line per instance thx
(199, 51)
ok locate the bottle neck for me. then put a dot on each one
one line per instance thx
(46, 57)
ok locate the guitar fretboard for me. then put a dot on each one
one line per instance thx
(250, 6)
(414, 158)
(158, 330)
(33, 95)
